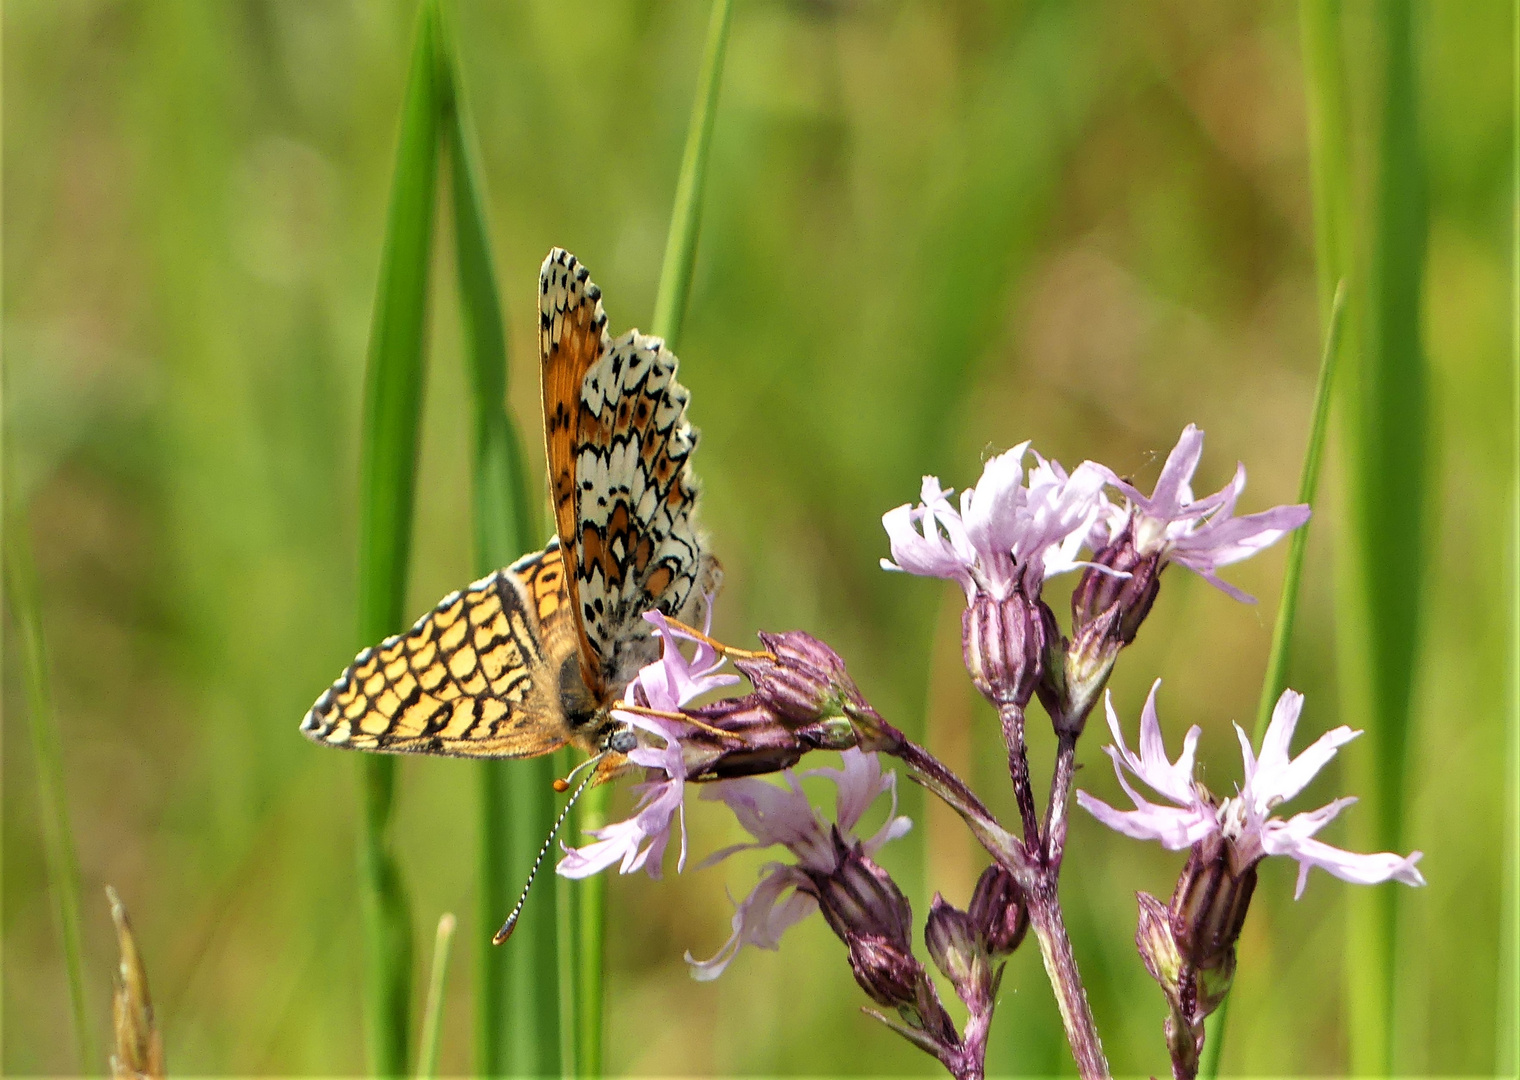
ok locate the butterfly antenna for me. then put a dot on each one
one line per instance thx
(511, 923)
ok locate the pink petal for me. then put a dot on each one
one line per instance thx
(759, 920)
(1176, 474)
(1174, 828)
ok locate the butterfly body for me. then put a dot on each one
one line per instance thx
(532, 656)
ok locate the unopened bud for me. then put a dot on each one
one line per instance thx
(890, 975)
(860, 899)
(998, 911)
(1209, 905)
(953, 944)
(1003, 642)
(1158, 949)
(805, 681)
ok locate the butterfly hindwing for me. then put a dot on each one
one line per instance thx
(618, 444)
(478, 676)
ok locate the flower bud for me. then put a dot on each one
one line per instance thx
(952, 942)
(860, 899)
(1209, 905)
(1107, 608)
(1003, 642)
(888, 974)
(998, 912)
(804, 682)
(1158, 949)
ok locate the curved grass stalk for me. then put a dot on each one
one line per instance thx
(1276, 676)
(52, 795)
(517, 1018)
(432, 1014)
(387, 478)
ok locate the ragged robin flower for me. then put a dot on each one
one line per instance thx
(665, 686)
(1010, 534)
(1244, 822)
(789, 892)
(1170, 526)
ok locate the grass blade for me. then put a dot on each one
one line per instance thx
(1507, 1030)
(432, 1014)
(387, 478)
(516, 1011)
(1276, 677)
(1385, 443)
(52, 796)
(669, 314)
(686, 217)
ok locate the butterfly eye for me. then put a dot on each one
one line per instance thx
(622, 740)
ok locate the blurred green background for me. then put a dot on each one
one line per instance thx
(931, 230)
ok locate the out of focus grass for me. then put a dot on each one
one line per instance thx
(928, 231)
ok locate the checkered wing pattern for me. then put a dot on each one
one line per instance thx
(619, 447)
(480, 675)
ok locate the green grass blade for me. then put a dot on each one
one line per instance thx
(432, 1014)
(1381, 593)
(388, 455)
(686, 218)
(516, 1014)
(53, 810)
(591, 937)
(589, 915)
(1507, 1029)
(1276, 676)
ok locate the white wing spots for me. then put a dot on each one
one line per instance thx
(564, 285)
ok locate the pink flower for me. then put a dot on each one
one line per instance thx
(1201, 534)
(1243, 821)
(1007, 533)
(670, 682)
(783, 815)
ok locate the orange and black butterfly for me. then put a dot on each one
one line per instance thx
(531, 657)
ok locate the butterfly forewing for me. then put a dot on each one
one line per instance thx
(623, 489)
(478, 676)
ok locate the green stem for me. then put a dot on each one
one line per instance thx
(669, 314)
(517, 1009)
(1384, 582)
(1507, 1030)
(686, 218)
(1276, 676)
(387, 479)
(52, 793)
(432, 1016)
(591, 813)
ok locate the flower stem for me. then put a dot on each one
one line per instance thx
(925, 769)
(1012, 717)
(1060, 802)
(1061, 968)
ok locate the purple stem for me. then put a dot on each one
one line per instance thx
(1061, 967)
(1012, 717)
(1060, 802)
(926, 769)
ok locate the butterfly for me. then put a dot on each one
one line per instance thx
(532, 656)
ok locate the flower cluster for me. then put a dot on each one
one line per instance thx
(1026, 520)
(1013, 531)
